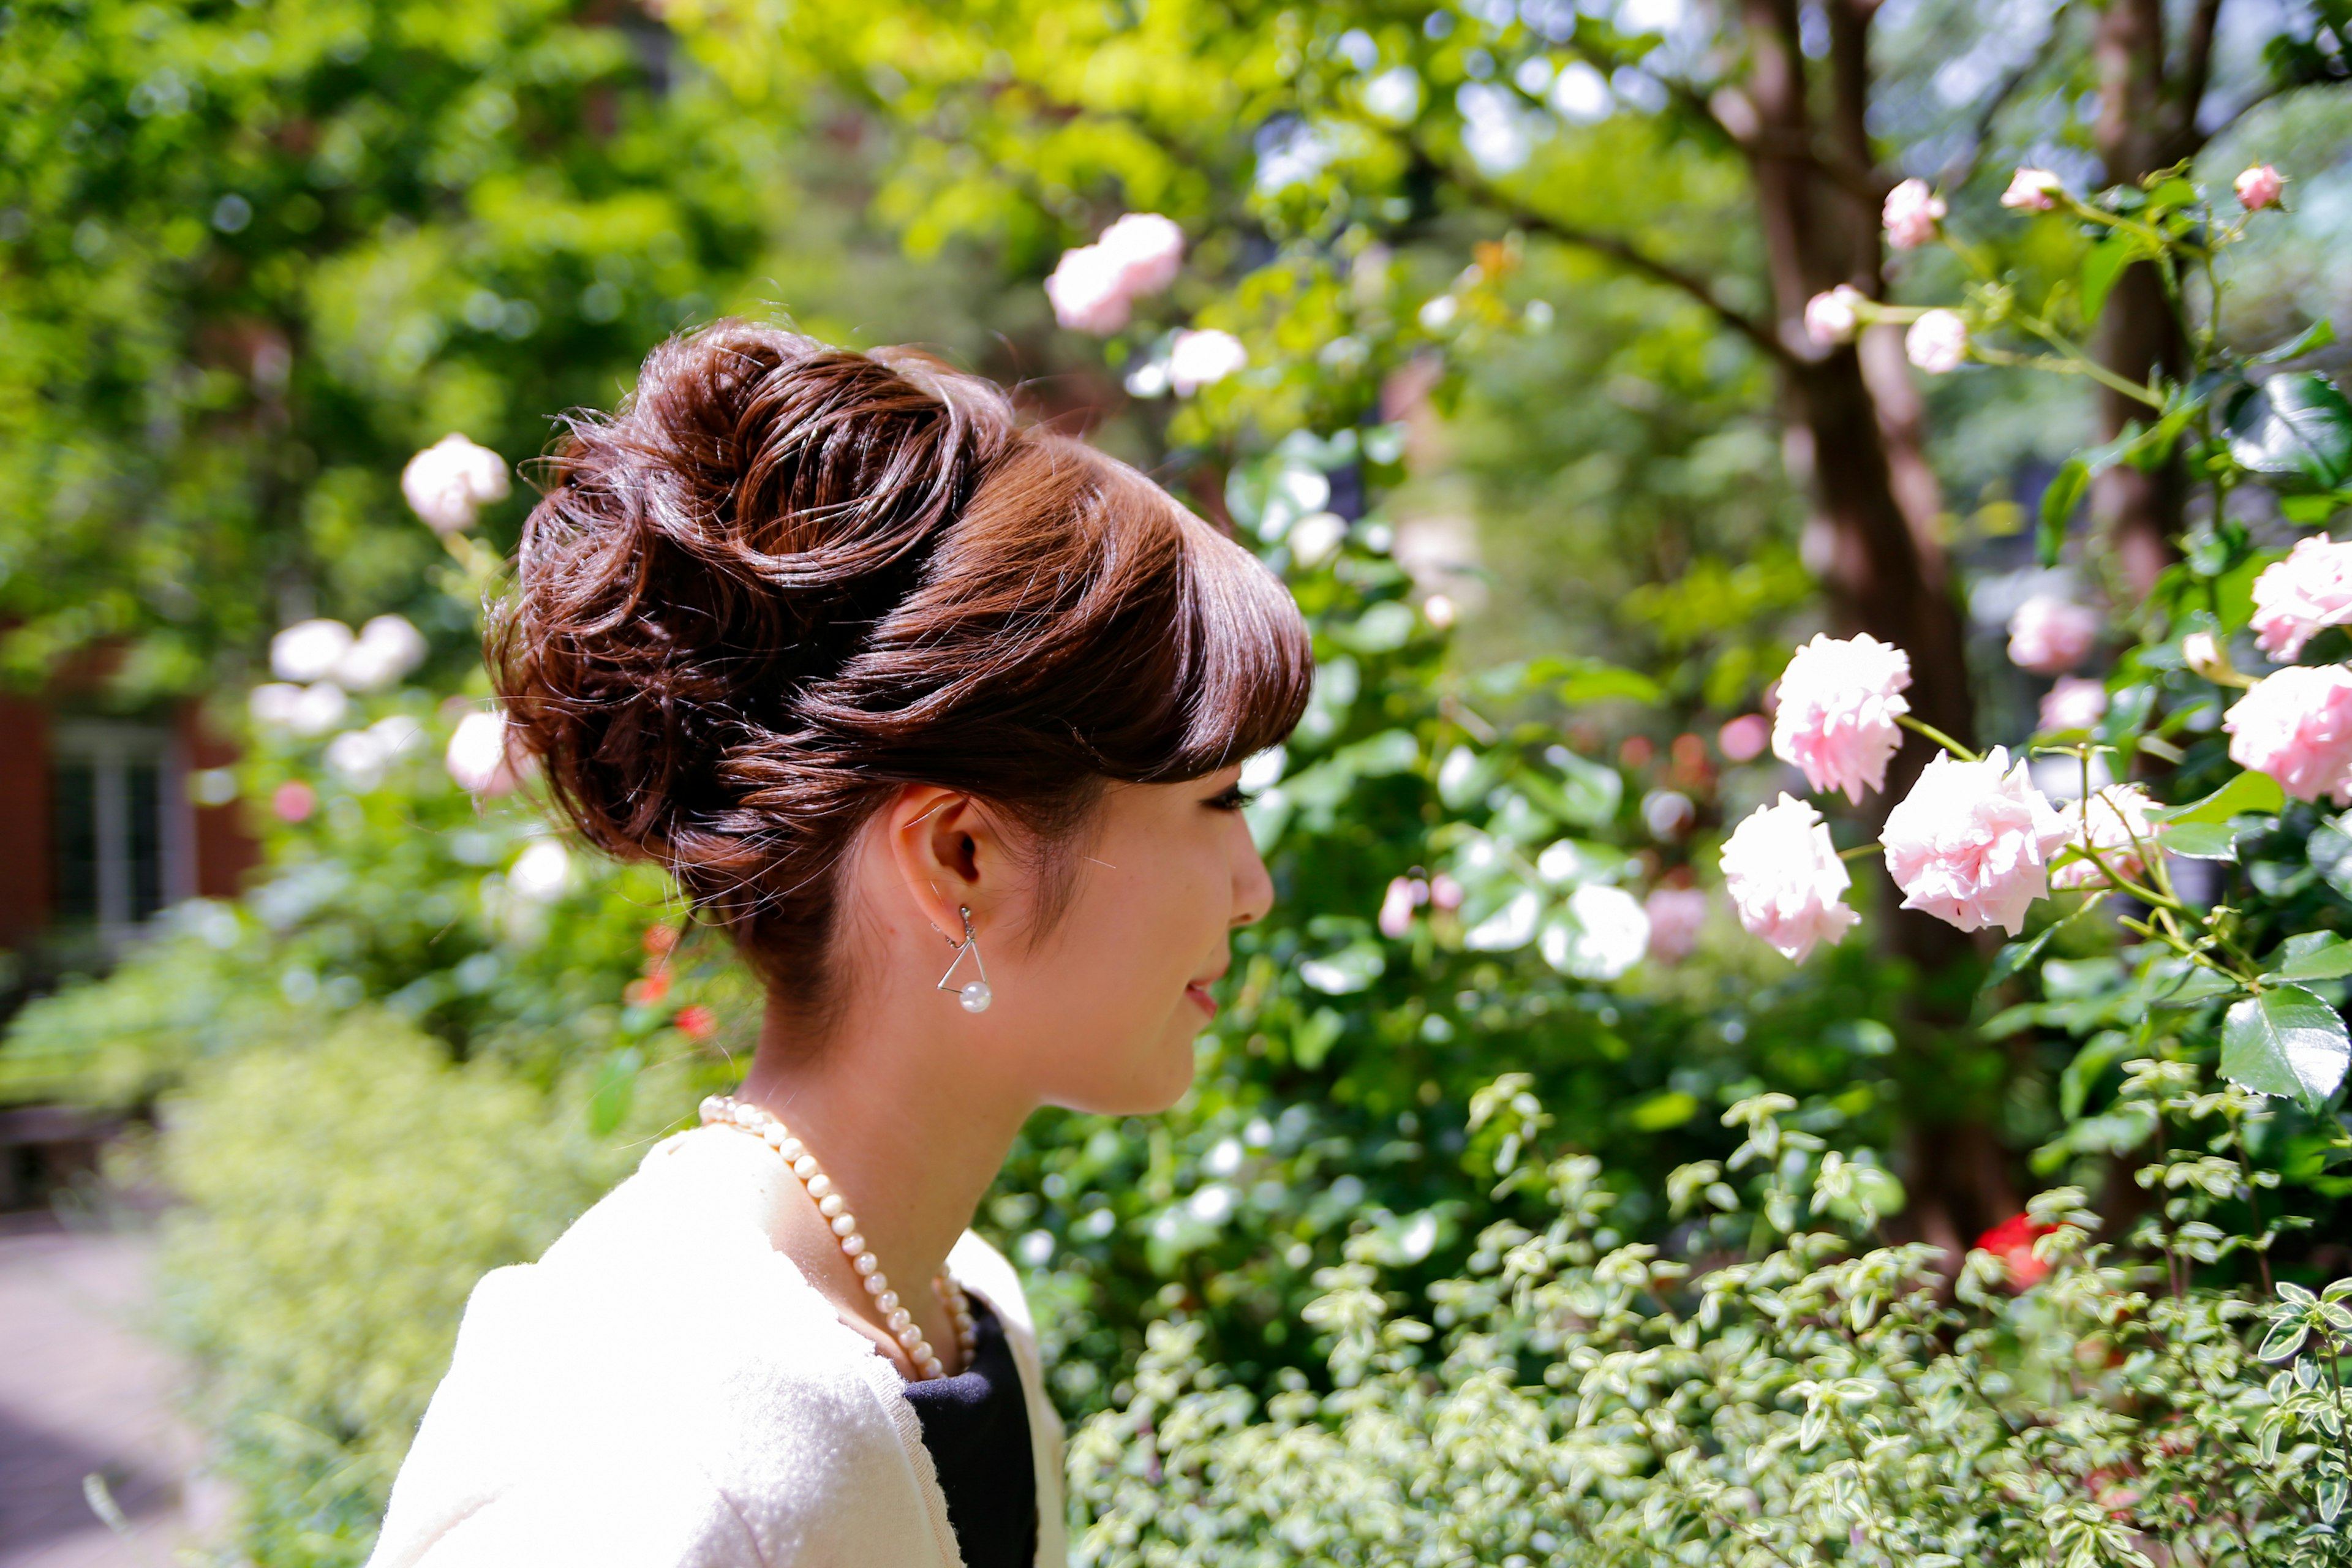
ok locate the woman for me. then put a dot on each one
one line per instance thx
(942, 718)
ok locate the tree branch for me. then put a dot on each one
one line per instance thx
(1623, 252)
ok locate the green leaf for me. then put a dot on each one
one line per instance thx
(2199, 984)
(2017, 955)
(1589, 791)
(2202, 840)
(2311, 510)
(1390, 751)
(2315, 955)
(2329, 849)
(1591, 681)
(2317, 336)
(2285, 1338)
(2059, 499)
(2249, 792)
(2102, 268)
(2294, 431)
(2286, 1042)
(616, 1086)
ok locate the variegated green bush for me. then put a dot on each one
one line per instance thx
(1799, 1392)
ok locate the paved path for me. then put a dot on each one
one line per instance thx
(83, 1392)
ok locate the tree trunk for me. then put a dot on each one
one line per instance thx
(1876, 500)
(1857, 426)
(2148, 120)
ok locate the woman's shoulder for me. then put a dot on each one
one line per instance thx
(661, 1377)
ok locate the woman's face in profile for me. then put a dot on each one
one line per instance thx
(1103, 1008)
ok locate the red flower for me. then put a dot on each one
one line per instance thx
(661, 939)
(2011, 1241)
(648, 991)
(697, 1023)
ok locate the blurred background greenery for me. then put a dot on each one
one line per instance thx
(1518, 285)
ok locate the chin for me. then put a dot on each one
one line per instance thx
(1159, 1080)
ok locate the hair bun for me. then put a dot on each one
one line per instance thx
(782, 579)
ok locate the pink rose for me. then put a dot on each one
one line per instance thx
(1676, 916)
(2259, 187)
(1911, 215)
(1971, 844)
(1093, 287)
(2030, 191)
(1938, 341)
(2296, 598)
(447, 483)
(1838, 707)
(1199, 359)
(1830, 318)
(479, 757)
(1149, 250)
(2296, 726)
(2049, 634)
(2119, 830)
(1087, 293)
(1784, 877)
(2074, 704)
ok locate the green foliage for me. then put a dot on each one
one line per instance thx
(344, 1195)
(1576, 1397)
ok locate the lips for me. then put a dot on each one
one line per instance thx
(1199, 991)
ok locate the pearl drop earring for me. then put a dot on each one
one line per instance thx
(974, 995)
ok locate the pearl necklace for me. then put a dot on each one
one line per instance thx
(725, 1109)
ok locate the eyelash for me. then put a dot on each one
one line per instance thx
(1233, 799)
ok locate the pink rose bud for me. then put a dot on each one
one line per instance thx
(1830, 318)
(1445, 892)
(2031, 190)
(1676, 916)
(1971, 844)
(1839, 701)
(1938, 341)
(2296, 726)
(2201, 653)
(1911, 215)
(2120, 831)
(1396, 908)
(1783, 875)
(2297, 598)
(2259, 187)
(2074, 704)
(1743, 738)
(2049, 634)
(450, 481)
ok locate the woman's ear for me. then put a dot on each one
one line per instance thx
(950, 854)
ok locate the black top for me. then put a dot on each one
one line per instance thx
(976, 1425)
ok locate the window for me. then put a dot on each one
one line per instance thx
(120, 843)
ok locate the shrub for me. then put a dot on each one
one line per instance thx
(1576, 1399)
(342, 1198)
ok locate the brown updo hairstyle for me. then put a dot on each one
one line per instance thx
(783, 580)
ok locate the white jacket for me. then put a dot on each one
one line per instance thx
(664, 1390)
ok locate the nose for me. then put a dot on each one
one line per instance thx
(1252, 887)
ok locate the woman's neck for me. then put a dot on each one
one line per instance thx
(911, 1129)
